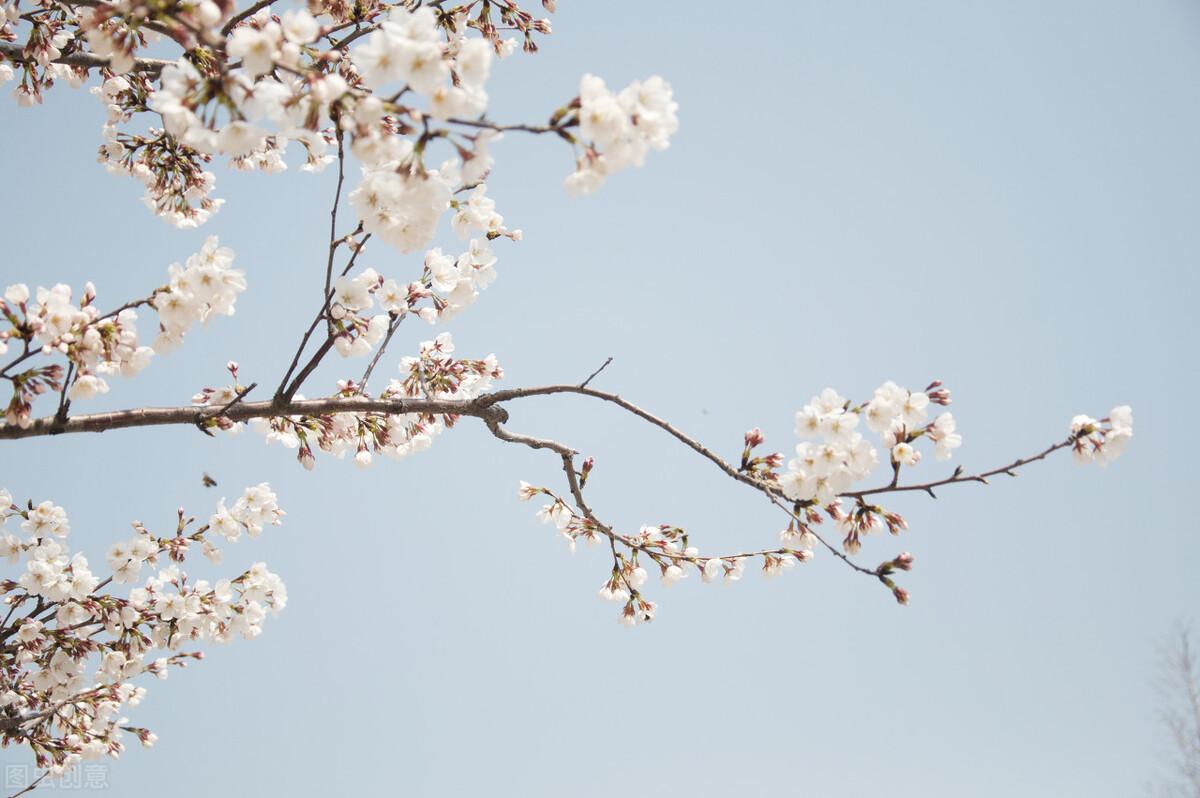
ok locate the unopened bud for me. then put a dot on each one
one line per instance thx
(901, 595)
(754, 437)
(903, 562)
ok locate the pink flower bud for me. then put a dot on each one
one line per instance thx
(754, 437)
(903, 562)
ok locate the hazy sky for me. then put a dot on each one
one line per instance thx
(1002, 195)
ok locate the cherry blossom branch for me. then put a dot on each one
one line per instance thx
(167, 416)
(484, 407)
(958, 475)
(772, 490)
(583, 390)
(567, 455)
(149, 66)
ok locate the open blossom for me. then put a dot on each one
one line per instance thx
(240, 138)
(406, 48)
(401, 207)
(622, 128)
(205, 286)
(943, 434)
(257, 47)
(1094, 441)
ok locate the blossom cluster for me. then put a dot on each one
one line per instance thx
(49, 321)
(248, 85)
(447, 285)
(822, 470)
(621, 128)
(433, 374)
(205, 286)
(68, 651)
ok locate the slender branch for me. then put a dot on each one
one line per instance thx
(958, 476)
(31, 786)
(487, 124)
(592, 376)
(696, 446)
(244, 14)
(393, 325)
(285, 391)
(29, 352)
(296, 357)
(333, 238)
(308, 369)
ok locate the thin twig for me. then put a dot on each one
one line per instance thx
(285, 391)
(31, 786)
(592, 376)
(244, 14)
(958, 476)
(393, 325)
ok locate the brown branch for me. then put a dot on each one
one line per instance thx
(285, 392)
(593, 375)
(244, 14)
(16, 54)
(167, 416)
(568, 454)
(708, 454)
(32, 785)
(958, 476)
(487, 124)
(393, 325)
(691, 443)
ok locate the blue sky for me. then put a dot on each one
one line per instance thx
(1003, 196)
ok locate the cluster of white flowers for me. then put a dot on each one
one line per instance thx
(178, 187)
(275, 79)
(98, 344)
(95, 344)
(621, 128)
(57, 626)
(1094, 442)
(825, 469)
(254, 509)
(401, 205)
(900, 415)
(408, 49)
(204, 287)
(432, 374)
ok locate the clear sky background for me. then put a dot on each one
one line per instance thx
(1004, 196)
